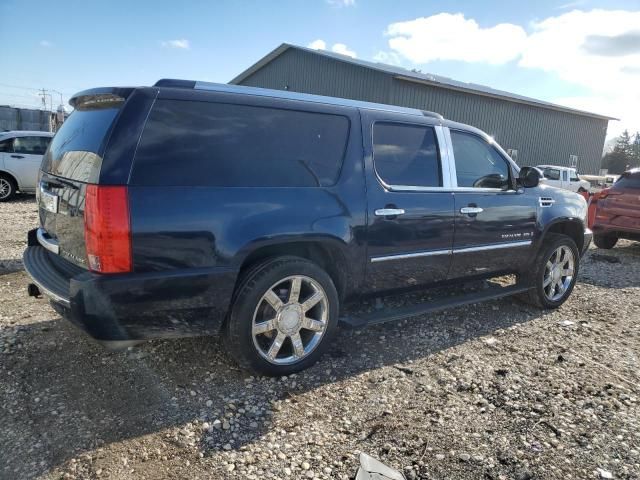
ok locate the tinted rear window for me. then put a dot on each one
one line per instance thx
(189, 143)
(75, 152)
(629, 180)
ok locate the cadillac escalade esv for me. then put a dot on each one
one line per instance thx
(192, 208)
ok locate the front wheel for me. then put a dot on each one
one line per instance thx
(554, 273)
(284, 315)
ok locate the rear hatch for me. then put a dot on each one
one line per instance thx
(72, 162)
(621, 202)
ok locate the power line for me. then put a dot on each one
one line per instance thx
(18, 86)
(33, 96)
(30, 88)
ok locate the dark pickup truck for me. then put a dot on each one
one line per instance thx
(192, 208)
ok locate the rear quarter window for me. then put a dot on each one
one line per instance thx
(187, 143)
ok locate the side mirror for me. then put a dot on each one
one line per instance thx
(529, 177)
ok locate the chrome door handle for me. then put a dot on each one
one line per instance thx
(471, 210)
(389, 212)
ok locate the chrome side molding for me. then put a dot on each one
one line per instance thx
(403, 256)
(430, 253)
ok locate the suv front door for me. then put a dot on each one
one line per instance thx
(410, 203)
(494, 223)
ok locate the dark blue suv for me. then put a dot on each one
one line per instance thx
(192, 208)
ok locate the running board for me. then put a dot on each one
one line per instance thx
(401, 313)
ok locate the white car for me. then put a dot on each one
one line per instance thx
(20, 158)
(563, 177)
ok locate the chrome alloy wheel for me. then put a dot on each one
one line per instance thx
(558, 273)
(5, 188)
(290, 320)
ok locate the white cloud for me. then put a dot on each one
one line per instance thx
(318, 45)
(598, 50)
(181, 43)
(569, 5)
(341, 3)
(341, 48)
(46, 44)
(447, 36)
(390, 58)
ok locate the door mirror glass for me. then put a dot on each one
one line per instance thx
(529, 177)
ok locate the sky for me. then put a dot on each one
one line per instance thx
(583, 54)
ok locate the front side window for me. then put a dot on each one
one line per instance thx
(478, 164)
(552, 173)
(187, 143)
(406, 155)
(29, 145)
(573, 176)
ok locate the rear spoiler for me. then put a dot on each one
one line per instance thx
(103, 96)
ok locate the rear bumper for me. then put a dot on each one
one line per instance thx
(130, 307)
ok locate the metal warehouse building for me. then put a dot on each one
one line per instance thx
(532, 131)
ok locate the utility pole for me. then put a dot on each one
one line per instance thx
(44, 98)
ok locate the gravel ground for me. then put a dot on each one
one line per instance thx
(494, 391)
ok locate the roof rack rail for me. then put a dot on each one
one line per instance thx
(427, 113)
(175, 83)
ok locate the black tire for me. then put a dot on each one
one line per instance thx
(581, 190)
(8, 188)
(605, 241)
(536, 295)
(248, 300)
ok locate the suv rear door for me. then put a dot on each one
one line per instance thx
(494, 224)
(410, 205)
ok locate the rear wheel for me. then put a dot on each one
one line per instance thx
(284, 315)
(605, 241)
(554, 272)
(7, 188)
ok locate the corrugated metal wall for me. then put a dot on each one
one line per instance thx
(12, 118)
(540, 135)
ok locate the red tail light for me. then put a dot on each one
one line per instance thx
(107, 231)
